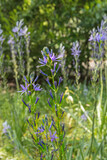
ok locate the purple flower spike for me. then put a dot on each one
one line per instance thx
(55, 107)
(60, 80)
(41, 130)
(63, 127)
(99, 34)
(91, 38)
(35, 79)
(55, 65)
(76, 49)
(61, 98)
(47, 80)
(1, 31)
(62, 114)
(42, 127)
(38, 114)
(26, 79)
(43, 61)
(52, 156)
(36, 100)
(44, 54)
(29, 123)
(24, 103)
(43, 73)
(11, 40)
(55, 83)
(42, 142)
(51, 53)
(23, 31)
(37, 87)
(52, 71)
(42, 156)
(53, 58)
(47, 50)
(56, 110)
(49, 103)
(24, 89)
(41, 145)
(58, 68)
(51, 125)
(53, 137)
(29, 107)
(59, 57)
(15, 29)
(51, 94)
(46, 119)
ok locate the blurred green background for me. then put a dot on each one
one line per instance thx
(52, 22)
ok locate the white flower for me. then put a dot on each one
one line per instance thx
(69, 99)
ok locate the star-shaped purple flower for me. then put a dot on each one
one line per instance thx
(52, 136)
(37, 87)
(24, 89)
(49, 55)
(43, 61)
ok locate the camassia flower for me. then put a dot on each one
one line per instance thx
(18, 26)
(37, 87)
(49, 56)
(99, 34)
(40, 130)
(76, 54)
(24, 88)
(29, 107)
(75, 49)
(43, 61)
(52, 136)
(6, 126)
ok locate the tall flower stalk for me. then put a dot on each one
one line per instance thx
(52, 64)
(27, 43)
(48, 134)
(76, 53)
(63, 63)
(2, 72)
(12, 47)
(97, 40)
(20, 36)
(17, 32)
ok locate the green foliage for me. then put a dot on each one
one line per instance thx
(54, 22)
(78, 131)
(14, 113)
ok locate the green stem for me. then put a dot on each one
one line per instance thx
(93, 120)
(15, 67)
(28, 54)
(21, 62)
(58, 120)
